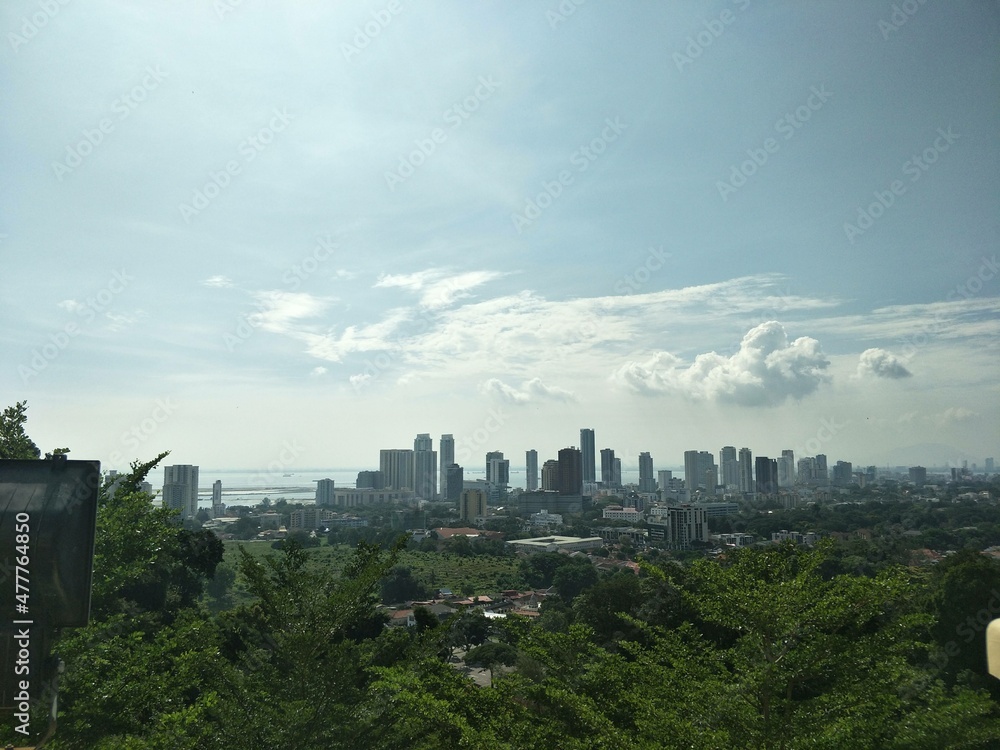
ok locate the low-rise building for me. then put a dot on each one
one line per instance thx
(556, 544)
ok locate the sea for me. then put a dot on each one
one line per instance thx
(251, 486)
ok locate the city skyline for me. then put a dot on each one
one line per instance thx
(677, 225)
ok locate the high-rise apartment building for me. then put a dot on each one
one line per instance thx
(180, 489)
(786, 471)
(472, 504)
(325, 492)
(497, 475)
(746, 470)
(455, 476)
(664, 479)
(729, 467)
(843, 473)
(425, 467)
(700, 471)
(370, 480)
(531, 470)
(822, 473)
(918, 475)
(588, 454)
(570, 471)
(396, 465)
(790, 455)
(446, 452)
(550, 475)
(766, 472)
(608, 468)
(617, 473)
(646, 481)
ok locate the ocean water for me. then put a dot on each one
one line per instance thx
(250, 486)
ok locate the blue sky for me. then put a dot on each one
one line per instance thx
(291, 236)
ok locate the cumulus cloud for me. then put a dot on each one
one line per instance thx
(766, 370)
(879, 363)
(530, 390)
(279, 311)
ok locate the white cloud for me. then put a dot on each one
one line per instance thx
(439, 288)
(879, 363)
(766, 371)
(218, 282)
(278, 311)
(318, 371)
(531, 390)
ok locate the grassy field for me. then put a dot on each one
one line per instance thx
(465, 575)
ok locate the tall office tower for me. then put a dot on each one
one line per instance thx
(822, 474)
(806, 473)
(617, 473)
(746, 470)
(766, 470)
(497, 475)
(180, 489)
(646, 481)
(446, 452)
(786, 471)
(664, 478)
(531, 470)
(325, 492)
(570, 471)
(607, 468)
(217, 492)
(843, 473)
(790, 455)
(370, 480)
(456, 480)
(550, 475)
(588, 452)
(729, 464)
(425, 467)
(471, 504)
(396, 465)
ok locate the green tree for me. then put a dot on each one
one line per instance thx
(14, 442)
(491, 655)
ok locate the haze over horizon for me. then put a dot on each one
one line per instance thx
(243, 233)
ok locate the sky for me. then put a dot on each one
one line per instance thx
(287, 236)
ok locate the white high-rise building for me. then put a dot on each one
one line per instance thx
(325, 492)
(446, 453)
(729, 465)
(746, 470)
(424, 467)
(396, 465)
(180, 489)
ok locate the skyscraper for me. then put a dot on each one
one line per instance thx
(550, 475)
(730, 467)
(646, 481)
(746, 470)
(588, 454)
(424, 467)
(822, 472)
(497, 475)
(786, 470)
(446, 450)
(531, 470)
(325, 492)
(700, 471)
(766, 471)
(607, 468)
(570, 471)
(180, 489)
(843, 473)
(790, 455)
(369, 480)
(617, 473)
(396, 465)
(456, 479)
(664, 478)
